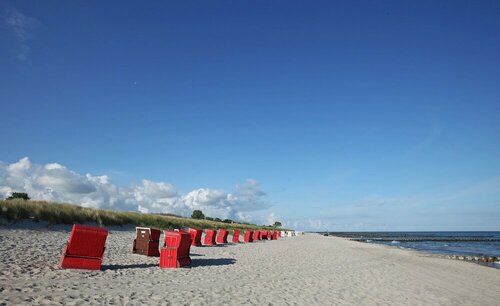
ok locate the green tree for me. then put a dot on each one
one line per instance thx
(209, 218)
(227, 221)
(277, 224)
(217, 220)
(197, 214)
(19, 195)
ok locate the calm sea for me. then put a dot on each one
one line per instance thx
(447, 243)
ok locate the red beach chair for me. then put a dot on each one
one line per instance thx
(85, 248)
(274, 236)
(210, 237)
(176, 251)
(222, 236)
(236, 236)
(248, 236)
(256, 235)
(147, 241)
(195, 236)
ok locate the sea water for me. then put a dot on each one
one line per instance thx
(446, 243)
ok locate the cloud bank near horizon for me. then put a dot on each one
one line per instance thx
(54, 182)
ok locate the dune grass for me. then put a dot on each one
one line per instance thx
(59, 213)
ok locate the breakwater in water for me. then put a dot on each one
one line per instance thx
(418, 239)
(471, 246)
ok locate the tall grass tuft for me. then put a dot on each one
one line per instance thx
(57, 213)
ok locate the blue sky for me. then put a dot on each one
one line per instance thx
(340, 115)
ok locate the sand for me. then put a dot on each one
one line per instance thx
(303, 270)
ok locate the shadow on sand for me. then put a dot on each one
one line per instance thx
(194, 263)
(212, 262)
(213, 246)
(133, 266)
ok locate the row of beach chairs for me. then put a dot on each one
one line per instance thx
(86, 245)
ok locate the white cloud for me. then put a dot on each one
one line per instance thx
(57, 177)
(54, 182)
(21, 27)
(248, 197)
(213, 202)
(20, 24)
(313, 224)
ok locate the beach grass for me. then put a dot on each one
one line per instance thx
(60, 213)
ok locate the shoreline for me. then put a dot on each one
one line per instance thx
(413, 243)
(306, 269)
(462, 258)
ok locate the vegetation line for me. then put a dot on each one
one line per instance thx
(15, 210)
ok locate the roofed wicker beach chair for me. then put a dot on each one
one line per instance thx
(222, 236)
(195, 236)
(147, 241)
(176, 251)
(85, 248)
(256, 235)
(236, 236)
(210, 237)
(248, 236)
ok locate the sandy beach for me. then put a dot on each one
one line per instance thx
(303, 270)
